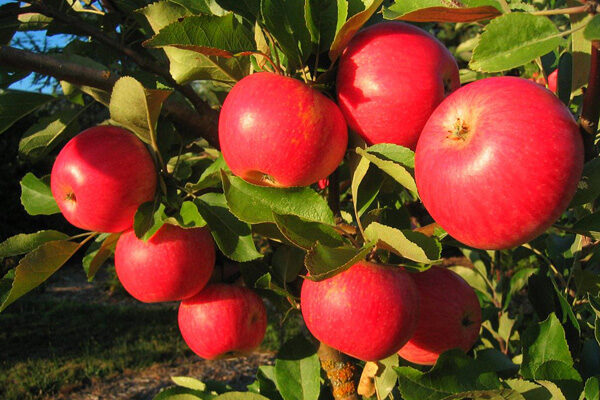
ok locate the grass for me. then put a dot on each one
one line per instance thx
(47, 345)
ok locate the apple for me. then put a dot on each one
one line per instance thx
(553, 81)
(498, 162)
(450, 316)
(223, 319)
(277, 131)
(101, 177)
(174, 264)
(391, 77)
(368, 311)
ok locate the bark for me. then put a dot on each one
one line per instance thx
(341, 373)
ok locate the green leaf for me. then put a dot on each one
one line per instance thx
(211, 176)
(256, 204)
(26, 242)
(148, 219)
(386, 380)
(265, 282)
(206, 34)
(592, 388)
(94, 259)
(324, 18)
(287, 263)
(406, 243)
(345, 34)
(438, 11)
(37, 266)
(182, 393)
(529, 390)
(588, 188)
(189, 382)
(240, 396)
(453, 373)
(393, 168)
(137, 108)
(518, 282)
(473, 278)
(41, 138)
(297, 370)
(15, 105)
(36, 195)
(233, 237)
(497, 361)
(592, 30)
(513, 40)
(324, 262)
(366, 183)
(194, 6)
(189, 216)
(500, 394)
(546, 356)
(249, 9)
(285, 21)
(304, 234)
(589, 225)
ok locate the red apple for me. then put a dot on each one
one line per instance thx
(450, 316)
(368, 311)
(100, 178)
(391, 77)
(553, 81)
(222, 319)
(174, 264)
(277, 131)
(498, 162)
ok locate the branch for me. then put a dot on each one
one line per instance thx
(341, 373)
(588, 121)
(203, 125)
(590, 7)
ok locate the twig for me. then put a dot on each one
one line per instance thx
(590, 113)
(341, 373)
(564, 11)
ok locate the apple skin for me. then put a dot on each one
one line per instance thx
(498, 162)
(222, 319)
(553, 81)
(277, 131)
(174, 264)
(368, 311)
(450, 316)
(391, 77)
(101, 177)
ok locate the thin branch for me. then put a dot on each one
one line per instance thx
(203, 125)
(564, 11)
(341, 373)
(588, 121)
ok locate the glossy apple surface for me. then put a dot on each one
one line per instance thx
(223, 319)
(368, 311)
(391, 77)
(450, 316)
(277, 131)
(174, 264)
(101, 177)
(498, 162)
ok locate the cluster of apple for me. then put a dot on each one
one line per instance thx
(100, 193)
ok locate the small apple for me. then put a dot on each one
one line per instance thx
(498, 162)
(222, 319)
(101, 177)
(553, 81)
(277, 131)
(368, 311)
(391, 77)
(174, 264)
(450, 316)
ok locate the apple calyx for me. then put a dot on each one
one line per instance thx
(460, 130)
(467, 321)
(70, 196)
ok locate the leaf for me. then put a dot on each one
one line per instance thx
(588, 188)
(393, 168)
(249, 9)
(233, 237)
(297, 370)
(473, 278)
(211, 176)
(406, 243)
(285, 21)
(589, 225)
(181, 393)
(240, 396)
(304, 234)
(454, 372)
(580, 47)
(37, 266)
(366, 183)
(189, 216)
(324, 262)
(137, 108)
(514, 39)
(189, 382)
(15, 105)
(94, 260)
(41, 138)
(345, 34)
(386, 380)
(438, 11)
(194, 6)
(592, 388)
(592, 30)
(529, 390)
(324, 18)
(148, 219)
(287, 263)
(518, 282)
(500, 394)
(554, 390)
(546, 356)
(497, 361)
(256, 204)
(26, 242)
(36, 195)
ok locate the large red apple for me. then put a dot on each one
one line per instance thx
(498, 162)
(368, 311)
(100, 178)
(450, 316)
(391, 77)
(277, 131)
(222, 319)
(174, 264)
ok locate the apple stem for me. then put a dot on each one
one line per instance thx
(590, 113)
(341, 372)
